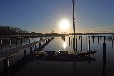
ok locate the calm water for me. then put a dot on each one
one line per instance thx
(59, 68)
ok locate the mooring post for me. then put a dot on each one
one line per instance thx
(98, 40)
(93, 38)
(81, 43)
(1, 45)
(89, 44)
(76, 43)
(73, 44)
(104, 39)
(69, 41)
(104, 58)
(104, 53)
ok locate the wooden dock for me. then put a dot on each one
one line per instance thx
(11, 52)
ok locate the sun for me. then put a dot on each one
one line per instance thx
(64, 24)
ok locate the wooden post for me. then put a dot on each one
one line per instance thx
(104, 39)
(76, 44)
(93, 38)
(1, 45)
(89, 44)
(98, 40)
(81, 43)
(73, 44)
(69, 41)
(104, 58)
(104, 53)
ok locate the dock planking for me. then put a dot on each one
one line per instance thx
(11, 52)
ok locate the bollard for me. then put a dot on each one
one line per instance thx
(98, 40)
(1, 45)
(81, 43)
(25, 52)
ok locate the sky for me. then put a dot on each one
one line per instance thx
(45, 15)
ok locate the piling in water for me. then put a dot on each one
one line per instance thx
(81, 43)
(1, 45)
(69, 41)
(98, 40)
(104, 53)
(93, 38)
(76, 43)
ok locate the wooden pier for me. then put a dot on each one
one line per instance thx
(7, 54)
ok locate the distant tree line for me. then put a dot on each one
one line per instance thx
(9, 30)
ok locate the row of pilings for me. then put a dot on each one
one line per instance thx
(71, 41)
(32, 50)
(89, 44)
